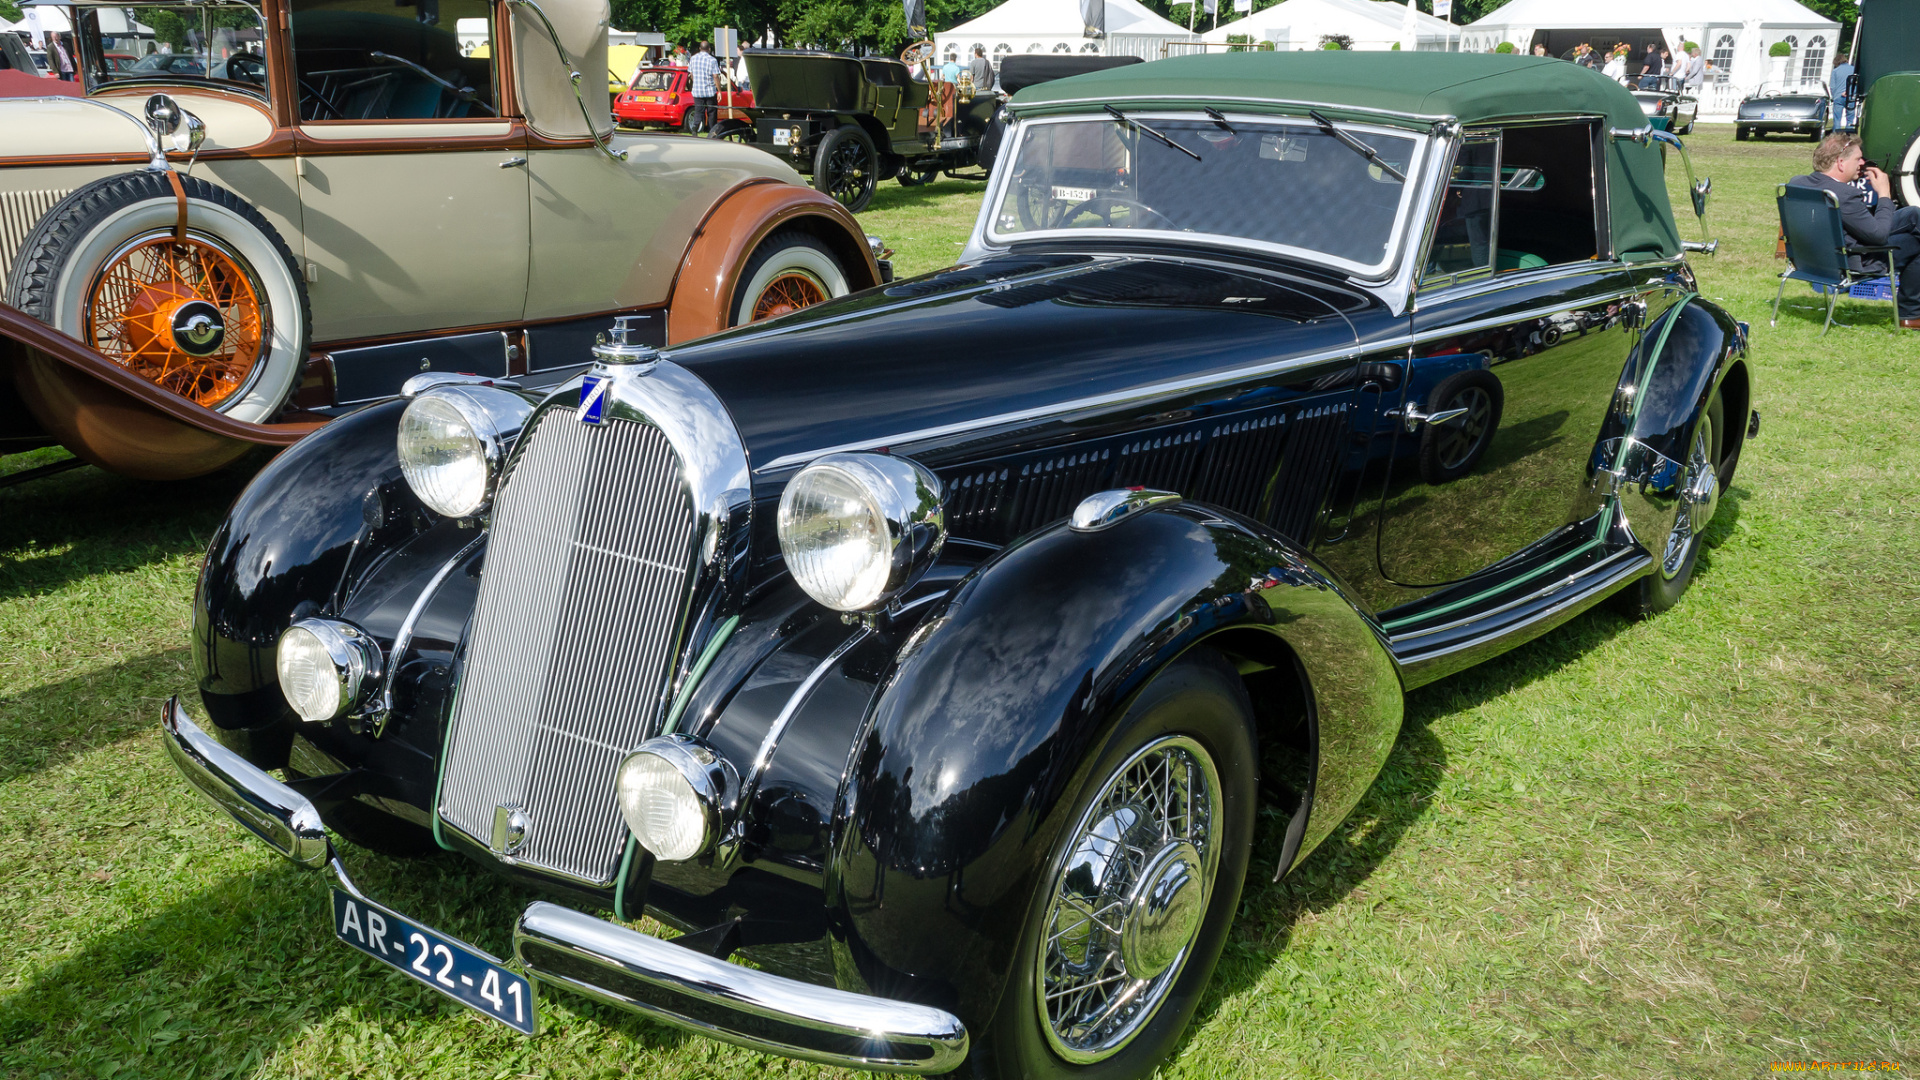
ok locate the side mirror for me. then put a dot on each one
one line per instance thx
(163, 114)
(1700, 191)
(195, 133)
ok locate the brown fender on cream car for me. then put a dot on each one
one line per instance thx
(702, 301)
(115, 419)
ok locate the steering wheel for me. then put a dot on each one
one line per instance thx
(246, 67)
(1110, 201)
(917, 53)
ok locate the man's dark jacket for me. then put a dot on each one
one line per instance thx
(1865, 225)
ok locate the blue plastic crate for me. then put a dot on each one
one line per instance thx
(1877, 289)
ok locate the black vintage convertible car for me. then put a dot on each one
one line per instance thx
(1783, 110)
(1268, 387)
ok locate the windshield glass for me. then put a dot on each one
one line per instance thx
(653, 80)
(166, 41)
(1284, 184)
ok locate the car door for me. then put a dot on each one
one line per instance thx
(1521, 330)
(413, 189)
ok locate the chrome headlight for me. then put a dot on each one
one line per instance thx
(452, 442)
(857, 529)
(675, 794)
(327, 668)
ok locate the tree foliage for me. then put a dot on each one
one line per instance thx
(861, 25)
(10, 11)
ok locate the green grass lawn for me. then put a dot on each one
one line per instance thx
(1682, 847)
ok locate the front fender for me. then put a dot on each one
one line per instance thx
(282, 552)
(960, 783)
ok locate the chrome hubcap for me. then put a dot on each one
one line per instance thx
(1699, 499)
(1128, 899)
(198, 328)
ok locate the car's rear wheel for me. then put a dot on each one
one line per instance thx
(1140, 888)
(1708, 472)
(217, 314)
(846, 167)
(790, 270)
(1740, 134)
(910, 177)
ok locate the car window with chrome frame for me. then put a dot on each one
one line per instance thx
(1543, 211)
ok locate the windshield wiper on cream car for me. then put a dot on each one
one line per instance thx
(1356, 146)
(1140, 127)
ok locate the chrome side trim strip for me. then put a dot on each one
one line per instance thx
(695, 992)
(771, 741)
(1629, 570)
(1546, 591)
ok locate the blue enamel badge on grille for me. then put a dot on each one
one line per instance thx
(593, 399)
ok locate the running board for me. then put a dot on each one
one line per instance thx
(1439, 648)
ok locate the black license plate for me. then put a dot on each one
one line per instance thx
(449, 965)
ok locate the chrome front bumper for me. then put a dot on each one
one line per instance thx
(646, 975)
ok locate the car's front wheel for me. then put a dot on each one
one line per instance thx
(790, 270)
(1140, 889)
(216, 312)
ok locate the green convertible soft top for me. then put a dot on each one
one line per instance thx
(1473, 88)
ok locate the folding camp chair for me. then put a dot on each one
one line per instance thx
(1817, 252)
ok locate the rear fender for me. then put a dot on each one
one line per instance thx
(113, 418)
(702, 297)
(960, 781)
(1700, 349)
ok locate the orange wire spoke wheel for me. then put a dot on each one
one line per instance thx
(184, 314)
(790, 291)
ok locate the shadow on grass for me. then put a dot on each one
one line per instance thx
(1848, 314)
(109, 523)
(51, 725)
(219, 983)
(892, 195)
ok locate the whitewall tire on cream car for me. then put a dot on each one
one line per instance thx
(790, 270)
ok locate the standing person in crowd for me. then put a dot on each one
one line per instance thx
(1694, 76)
(1837, 164)
(703, 72)
(1838, 85)
(679, 58)
(1650, 68)
(950, 71)
(981, 70)
(62, 62)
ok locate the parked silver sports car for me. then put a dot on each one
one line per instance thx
(1795, 110)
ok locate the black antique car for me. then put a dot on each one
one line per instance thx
(850, 122)
(1270, 386)
(1667, 104)
(1783, 110)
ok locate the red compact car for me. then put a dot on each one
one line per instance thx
(661, 96)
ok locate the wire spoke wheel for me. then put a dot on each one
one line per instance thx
(1699, 499)
(791, 291)
(1129, 900)
(183, 314)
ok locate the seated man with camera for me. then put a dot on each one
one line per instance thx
(1870, 217)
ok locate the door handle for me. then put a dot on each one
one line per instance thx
(1412, 417)
(512, 162)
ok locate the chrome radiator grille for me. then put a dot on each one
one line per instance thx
(573, 638)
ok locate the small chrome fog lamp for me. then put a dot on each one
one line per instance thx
(453, 441)
(328, 668)
(857, 529)
(675, 794)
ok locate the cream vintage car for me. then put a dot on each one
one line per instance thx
(337, 195)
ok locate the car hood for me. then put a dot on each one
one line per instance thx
(984, 345)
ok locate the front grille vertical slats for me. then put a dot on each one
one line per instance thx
(574, 636)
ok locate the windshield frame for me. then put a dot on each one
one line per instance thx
(1409, 208)
(93, 52)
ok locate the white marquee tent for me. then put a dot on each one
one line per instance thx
(1371, 24)
(1054, 26)
(1734, 37)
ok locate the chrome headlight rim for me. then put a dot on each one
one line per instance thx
(711, 781)
(903, 493)
(493, 417)
(358, 665)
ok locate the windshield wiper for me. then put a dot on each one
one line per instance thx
(1213, 114)
(1140, 127)
(1357, 146)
